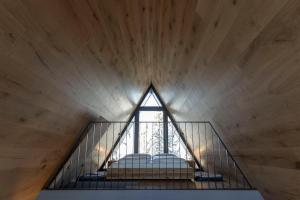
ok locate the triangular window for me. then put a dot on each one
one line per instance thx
(151, 100)
(152, 130)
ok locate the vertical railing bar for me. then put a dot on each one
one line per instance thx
(119, 135)
(221, 163)
(70, 169)
(235, 172)
(139, 146)
(134, 123)
(206, 152)
(194, 167)
(145, 145)
(199, 134)
(165, 126)
(92, 148)
(62, 177)
(77, 166)
(213, 153)
(111, 158)
(159, 154)
(85, 152)
(147, 131)
(99, 149)
(228, 169)
(244, 183)
(185, 134)
(152, 154)
(179, 154)
(55, 180)
(172, 129)
(163, 137)
(126, 142)
(107, 127)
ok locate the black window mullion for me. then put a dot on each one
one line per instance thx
(136, 132)
(165, 124)
(151, 108)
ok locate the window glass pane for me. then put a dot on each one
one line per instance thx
(175, 143)
(125, 146)
(151, 132)
(151, 100)
(151, 116)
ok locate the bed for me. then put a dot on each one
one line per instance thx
(145, 166)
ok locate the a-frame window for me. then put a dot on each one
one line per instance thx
(152, 131)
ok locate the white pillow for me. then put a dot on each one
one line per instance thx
(169, 160)
(137, 156)
(164, 156)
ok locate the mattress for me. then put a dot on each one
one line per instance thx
(145, 161)
(162, 166)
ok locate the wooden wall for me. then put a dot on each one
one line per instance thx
(244, 76)
(234, 62)
(51, 84)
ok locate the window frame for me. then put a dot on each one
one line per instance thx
(137, 126)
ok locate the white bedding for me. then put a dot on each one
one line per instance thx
(145, 161)
(137, 156)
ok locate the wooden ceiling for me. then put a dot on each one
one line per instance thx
(233, 62)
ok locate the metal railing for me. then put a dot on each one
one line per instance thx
(185, 155)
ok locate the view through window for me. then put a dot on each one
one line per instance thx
(151, 127)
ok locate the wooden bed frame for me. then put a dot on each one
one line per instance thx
(150, 173)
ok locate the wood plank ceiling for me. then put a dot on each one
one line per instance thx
(233, 62)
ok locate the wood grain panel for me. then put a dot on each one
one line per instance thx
(233, 62)
(249, 89)
(57, 73)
